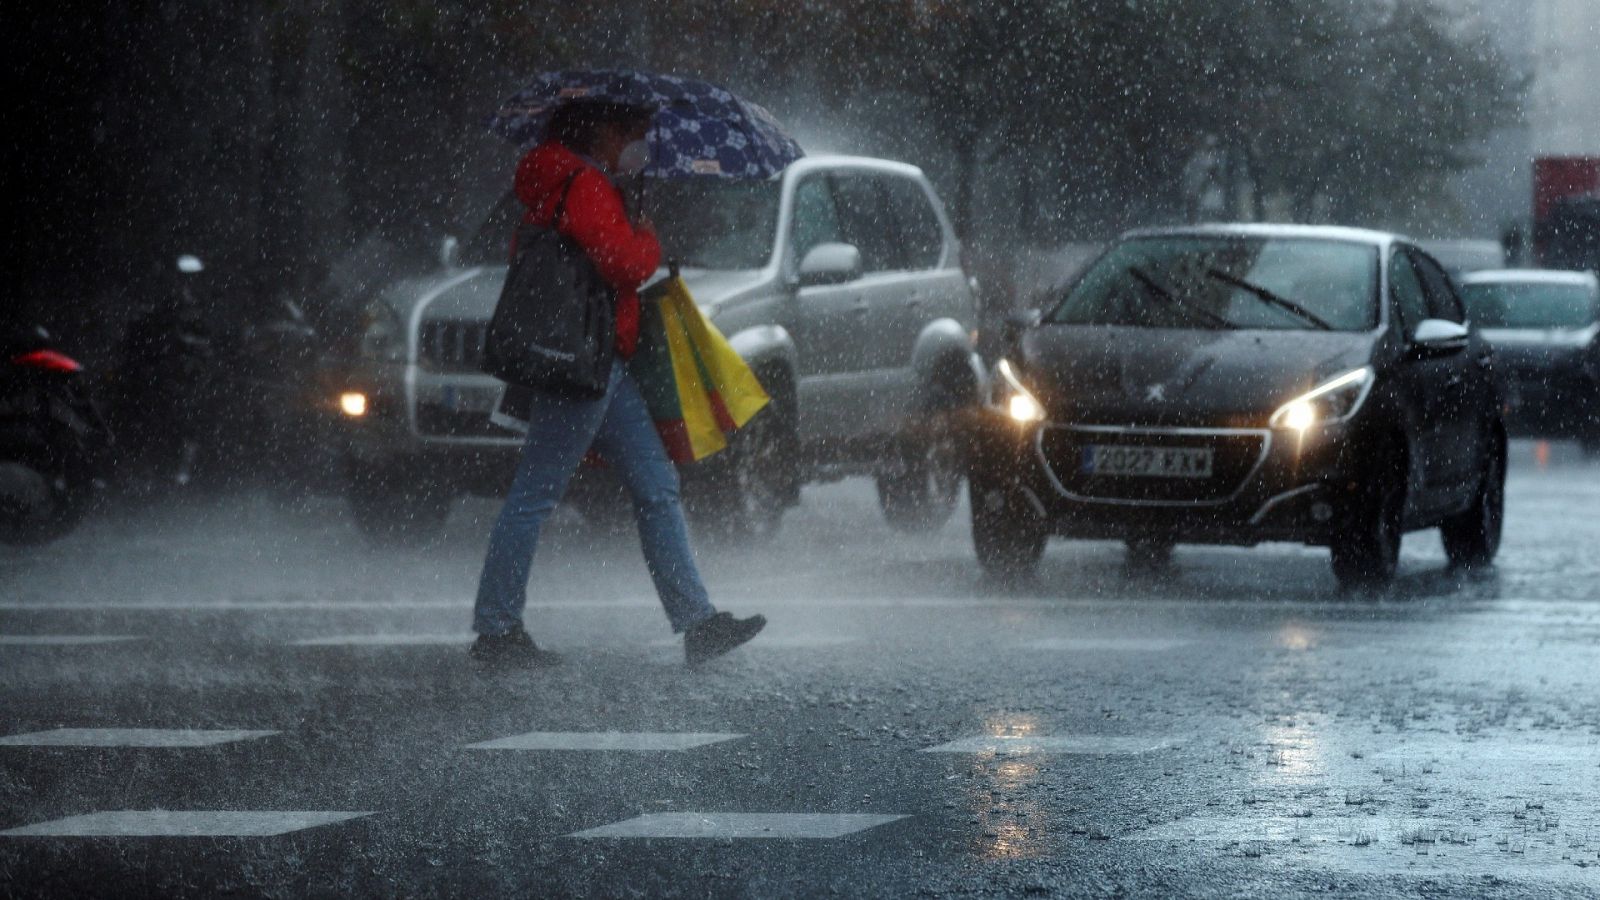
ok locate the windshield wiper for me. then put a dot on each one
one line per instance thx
(1272, 299)
(1196, 311)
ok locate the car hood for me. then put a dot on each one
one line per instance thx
(713, 287)
(471, 294)
(1181, 378)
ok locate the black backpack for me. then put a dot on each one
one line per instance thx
(554, 327)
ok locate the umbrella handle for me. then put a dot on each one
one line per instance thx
(672, 268)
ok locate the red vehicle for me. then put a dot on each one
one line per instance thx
(1566, 212)
(52, 439)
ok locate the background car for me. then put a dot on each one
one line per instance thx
(839, 282)
(1461, 256)
(1545, 327)
(1237, 384)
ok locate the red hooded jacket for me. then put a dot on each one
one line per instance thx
(595, 219)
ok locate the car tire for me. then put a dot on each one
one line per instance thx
(1472, 537)
(920, 492)
(1007, 534)
(1366, 555)
(33, 510)
(392, 506)
(741, 494)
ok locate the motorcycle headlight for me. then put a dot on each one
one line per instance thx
(382, 335)
(1335, 400)
(1012, 398)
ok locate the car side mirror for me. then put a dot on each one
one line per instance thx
(830, 263)
(450, 252)
(1439, 337)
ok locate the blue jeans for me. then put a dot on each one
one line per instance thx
(560, 432)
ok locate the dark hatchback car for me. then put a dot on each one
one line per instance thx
(1545, 328)
(1234, 384)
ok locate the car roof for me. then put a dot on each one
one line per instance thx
(836, 161)
(1529, 276)
(1272, 230)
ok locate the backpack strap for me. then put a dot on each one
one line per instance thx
(561, 203)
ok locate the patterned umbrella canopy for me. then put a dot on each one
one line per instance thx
(699, 129)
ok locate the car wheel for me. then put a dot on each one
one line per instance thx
(919, 493)
(742, 492)
(1367, 553)
(1007, 534)
(393, 506)
(32, 509)
(1472, 538)
(1149, 552)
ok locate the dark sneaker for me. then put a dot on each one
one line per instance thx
(717, 635)
(514, 648)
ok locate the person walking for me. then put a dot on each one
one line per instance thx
(566, 183)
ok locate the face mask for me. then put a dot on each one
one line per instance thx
(633, 158)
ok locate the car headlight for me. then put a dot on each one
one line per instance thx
(1335, 400)
(382, 335)
(1014, 399)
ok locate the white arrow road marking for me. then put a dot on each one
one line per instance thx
(62, 640)
(739, 825)
(606, 740)
(195, 823)
(130, 737)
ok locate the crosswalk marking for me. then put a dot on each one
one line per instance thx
(1471, 753)
(649, 741)
(1365, 829)
(739, 825)
(191, 823)
(1126, 645)
(131, 737)
(385, 640)
(63, 640)
(1088, 745)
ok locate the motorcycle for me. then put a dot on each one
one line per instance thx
(53, 439)
(161, 401)
(210, 394)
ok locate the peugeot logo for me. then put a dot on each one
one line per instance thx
(1155, 393)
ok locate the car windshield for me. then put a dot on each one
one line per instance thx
(1510, 305)
(715, 223)
(1227, 282)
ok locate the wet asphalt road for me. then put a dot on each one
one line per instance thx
(1231, 726)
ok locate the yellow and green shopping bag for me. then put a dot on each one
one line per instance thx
(698, 389)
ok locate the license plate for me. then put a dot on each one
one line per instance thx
(1147, 462)
(468, 399)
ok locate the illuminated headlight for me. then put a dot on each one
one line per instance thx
(1332, 401)
(382, 337)
(1013, 398)
(353, 404)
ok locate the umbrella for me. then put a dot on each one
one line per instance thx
(699, 129)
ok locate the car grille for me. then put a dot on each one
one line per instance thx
(452, 345)
(1235, 456)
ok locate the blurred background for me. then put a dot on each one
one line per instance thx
(301, 146)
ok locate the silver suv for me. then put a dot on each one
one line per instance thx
(839, 282)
